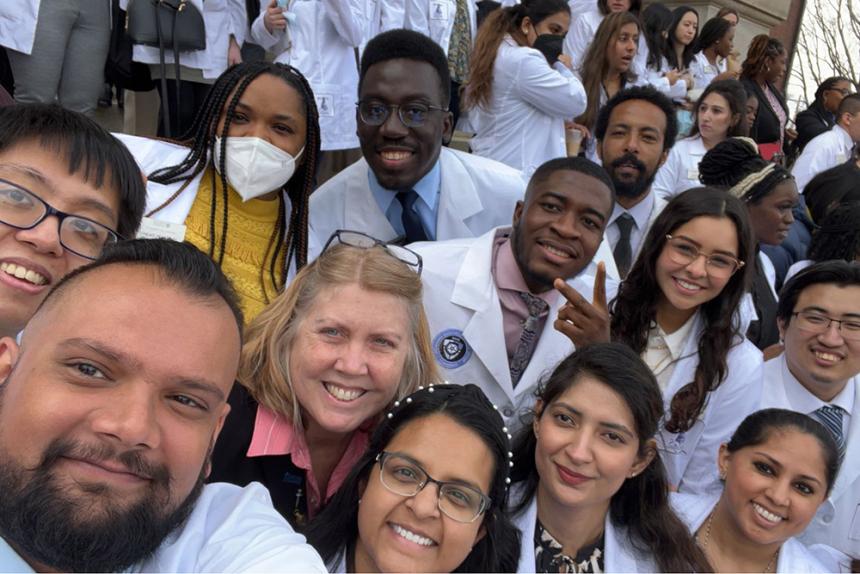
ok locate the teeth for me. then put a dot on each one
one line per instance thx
(22, 272)
(411, 536)
(342, 394)
(396, 155)
(555, 251)
(769, 516)
(827, 356)
(690, 286)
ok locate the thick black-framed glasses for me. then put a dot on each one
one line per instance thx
(365, 241)
(411, 114)
(22, 209)
(818, 323)
(404, 476)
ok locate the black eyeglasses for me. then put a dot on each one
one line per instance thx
(22, 209)
(402, 475)
(364, 241)
(818, 323)
(412, 114)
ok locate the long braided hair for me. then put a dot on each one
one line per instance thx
(290, 238)
(735, 164)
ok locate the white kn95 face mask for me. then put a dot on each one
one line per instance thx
(254, 166)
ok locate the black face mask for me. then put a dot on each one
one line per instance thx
(550, 45)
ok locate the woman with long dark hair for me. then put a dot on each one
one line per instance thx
(776, 470)
(762, 72)
(584, 29)
(238, 188)
(429, 495)
(712, 53)
(719, 114)
(522, 89)
(589, 491)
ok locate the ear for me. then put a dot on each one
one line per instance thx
(736, 119)
(663, 157)
(525, 25)
(518, 213)
(724, 458)
(538, 409)
(447, 127)
(8, 357)
(782, 326)
(219, 424)
(645, 458)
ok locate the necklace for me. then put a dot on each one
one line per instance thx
(707, 538)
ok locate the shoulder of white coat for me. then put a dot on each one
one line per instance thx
(331, 191)
(831, 559)
(499, 177)
(151, 154)
(435, 252)
(744, 365)
(794, 556)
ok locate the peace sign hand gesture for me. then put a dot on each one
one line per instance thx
(581, 321)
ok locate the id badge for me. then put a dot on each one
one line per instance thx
(153, 229)
(693, 174)
(325, 105)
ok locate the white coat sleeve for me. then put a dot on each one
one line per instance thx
(238, 26)
(577, 41)
(391, 15)
(813, 160)
(415, 16)
(348, 19)
(700, 80)
(260, 35)
(555, 91)
(666, 181)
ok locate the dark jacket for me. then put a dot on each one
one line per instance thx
(230, 463)
(811, 122)
(765, 128)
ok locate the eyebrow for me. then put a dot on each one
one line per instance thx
(327, 320)
(424, 468)
(83, 202)
(245, 106)
(778, 464)
(113, 355)
(606, 424)
(697, 244)
(826, 312)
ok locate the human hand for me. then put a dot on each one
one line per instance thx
(672, 76)
(274, 18)
(566, 60)
(234, 53)
(583, 322)
(570, 125)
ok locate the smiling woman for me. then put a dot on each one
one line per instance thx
(776, 470)
(319, 366)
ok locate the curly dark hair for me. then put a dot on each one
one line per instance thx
(838, 236)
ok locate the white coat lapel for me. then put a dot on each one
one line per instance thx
(360, 210)
(525, 521)
(458, 198)
(619, 554)
(475, 290)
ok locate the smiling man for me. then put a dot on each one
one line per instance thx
(109, 409)
(67, 189)
(488, 298)
(635, 131)
(408, 186)
(817, 374)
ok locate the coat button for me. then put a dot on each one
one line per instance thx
(508, 412)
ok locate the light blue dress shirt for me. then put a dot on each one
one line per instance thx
(428, 189)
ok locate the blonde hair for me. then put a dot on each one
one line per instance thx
(265, 365)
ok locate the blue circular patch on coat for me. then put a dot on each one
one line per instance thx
(451, 349)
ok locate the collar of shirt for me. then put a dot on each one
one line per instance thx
(801, 400)
(11, 561)
(641, 213)
(674, 343)
(507, 274)
(274, 435)
(428, 189)
(845, 140)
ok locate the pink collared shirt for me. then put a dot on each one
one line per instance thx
(275, 435)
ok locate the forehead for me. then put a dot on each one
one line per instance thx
(715, 99)
(46, 173)
(470, 461)
(271, 94)
(797, 452)
(163, 330)
(710, 233)
(400, 80)
(638, 114)
(575, 187)
(784, 190)
(836, 300)
(597, 400)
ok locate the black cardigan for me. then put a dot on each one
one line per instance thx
(230, 462)
(765, 128)
(812, 122)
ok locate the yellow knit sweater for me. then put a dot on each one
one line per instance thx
(250, 227)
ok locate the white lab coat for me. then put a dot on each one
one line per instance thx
(381, 16)
(152, 154)
(619, 551)
(824, 151)
(523, 125)
(476, 195)
(18, 20)
(435, 18)
(221, 19)
(680, 172)
(704, 72)
(581, 34)
(658, 79)
(837, 522)
(793, 557)
(690, 457)
(461, 300)
(321, 44)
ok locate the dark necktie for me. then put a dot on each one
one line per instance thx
(529, 336)
(411, 222)
(831, 417)
(623, 250)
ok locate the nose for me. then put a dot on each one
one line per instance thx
(788, 218)
(392, 127)
(832, 336)
(352, 360)
(579, 448)
(260, 130)
(44, 238)
(129, 417)
(631, 144)
(698, 267)
(779, 492)
(565, 225)
(425, 504)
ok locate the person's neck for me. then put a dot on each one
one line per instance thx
(679, 55)
(710, 142)
(612, 83)
(728, 549)
(631, 202)
(669, 317)
(823, 392)
(326, 448)
(711, 55)
(573, 528)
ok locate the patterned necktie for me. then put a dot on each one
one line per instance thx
(529, 336)
(411, 221)
(623, 250)
(831, 417)
(460, 44)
